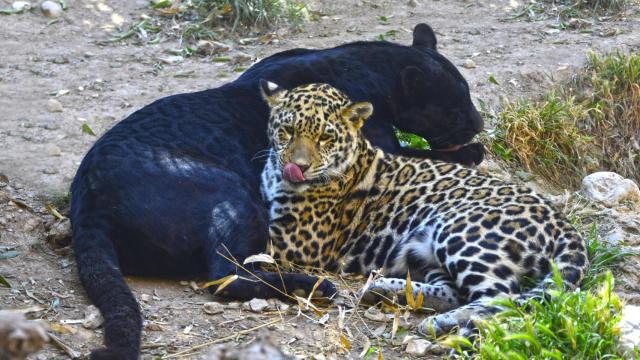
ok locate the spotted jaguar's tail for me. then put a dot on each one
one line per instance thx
(102, 280)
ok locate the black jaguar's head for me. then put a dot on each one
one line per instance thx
(432, 98)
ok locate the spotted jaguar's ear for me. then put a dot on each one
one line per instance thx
(424, 36)
(357, 113)
(272, 93)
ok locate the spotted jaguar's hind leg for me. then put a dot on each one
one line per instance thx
(438, 289)
(480, 296)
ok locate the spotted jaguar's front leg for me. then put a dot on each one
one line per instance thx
(438, 290)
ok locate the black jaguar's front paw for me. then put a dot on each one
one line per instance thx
(302, 285)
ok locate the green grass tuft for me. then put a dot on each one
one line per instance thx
(588, 125)
(567, 325)
(602, 258)
(249, 14)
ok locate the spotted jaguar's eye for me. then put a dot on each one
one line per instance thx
(287, 130)
(324, 138)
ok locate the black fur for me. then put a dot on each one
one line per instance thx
(177, 182)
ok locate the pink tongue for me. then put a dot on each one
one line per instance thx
(292, 172)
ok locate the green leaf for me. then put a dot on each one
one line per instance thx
(161, 4)
(221, 59)
(10, 11)
(64, 4)
(492, 79)
(87, 129)
(4, 282)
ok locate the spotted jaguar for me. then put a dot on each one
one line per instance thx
(338, 203)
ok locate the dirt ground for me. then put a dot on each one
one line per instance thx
(99, 85)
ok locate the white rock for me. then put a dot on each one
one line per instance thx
(213, 308)
(145, 298)
(53, 150)
(609, 188)
(172, 60)
(418, 347)
(21, 5)
(54, 105)
(258, 305)
(630, 330)
(469, 64)
(51, 9)
(92, 318)
(374, 314)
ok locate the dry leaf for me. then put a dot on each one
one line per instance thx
(409, 292)
(396, 324)
(345, 342)
(223, 281)
(265, 258)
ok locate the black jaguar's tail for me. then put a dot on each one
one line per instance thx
(103, 281)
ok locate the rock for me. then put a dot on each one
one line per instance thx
(20, 337)
(630, 330)
(59, 234)
(418, 347)
(92, 318)
(51, 9)
(172, 60)
(469, 64)
(256, 305)
(145, 298)
(277, 305)
(54, 105)
(213, 308)
(21, 5)
(412, 3)
(53, 150)
(609, 188)
(374, 314)
(210, 47)
(155, 327)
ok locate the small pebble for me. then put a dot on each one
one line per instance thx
(54, 105)
(53, 150)
(92, 318)
(469, 64)
(21, 5)
(213, 308)
(145, 298)
(51, 9)
(172, 60)
(374, 314)
(418, 347)
(256, 305)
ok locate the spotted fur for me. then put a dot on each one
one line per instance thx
(468, 236)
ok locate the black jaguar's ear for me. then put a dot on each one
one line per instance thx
(271, 92)
(357, 113)
(423, 35)
(414, 81)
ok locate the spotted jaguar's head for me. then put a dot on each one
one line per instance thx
(314, 129)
